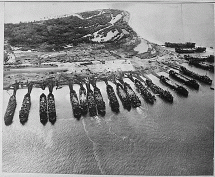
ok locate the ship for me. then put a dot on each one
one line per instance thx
(209, 58)
(134, 99)
(51, 108)
(26, 105)
(191, 50)
(83, 100)
(164, 94)
(100, 104)
(146, 94)
(123, 96)
(180, 45)
(196, 76)
(202, 65)
(43, 109)
(189, 82)
(113, 101)
(74, 102)
(91, 101)
(8, 117)
(178, 88)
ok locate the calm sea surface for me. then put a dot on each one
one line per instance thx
(159, 139)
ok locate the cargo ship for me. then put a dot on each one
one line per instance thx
(100, 104)
(209, 58)
(91, 101)
(164, 94)
(178, 88)
(74, 102)
(189, 82)
(180, 45)
(135, 101)
(147, 95)
(8, 117)
(191, 50)
(113, 101)
(43, 109)
(202, 65)
(83, 100)
(123, 96)
(26, 106)
(194, 75)
(51, 108)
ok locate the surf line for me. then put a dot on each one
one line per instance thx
(94, 144)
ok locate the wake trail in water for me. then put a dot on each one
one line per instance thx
(142, 111)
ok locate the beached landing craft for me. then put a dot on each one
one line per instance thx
(209, 58)
(91, 101)
(26, 105)
(83, 99)
(113, 102)
(189, 73)
(8, 117)
(189, 82)
(122, 95)
(180, 45)
(164, 94)
(178, 88)
(43, 109)
(202, 65)
(146, 94)
(190, 50)
(51, 104)
(74, 102)
(100, 104)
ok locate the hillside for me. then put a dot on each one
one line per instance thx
(100, 26)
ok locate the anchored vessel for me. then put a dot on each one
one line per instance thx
(123, 96)
(179, 89)
(189, 82)
(204, 79)
(202, 65)
(135, 101)
(100, 104)
(113, 102)
(190, 50)
(147, 95)
(209, 58)
(74, 102)
(43, 109)
(26, 105)
(164, 94)
(83, 100)
(91, 101)
(180, 45)
(8, 117)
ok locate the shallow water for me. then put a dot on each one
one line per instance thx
(159, 139)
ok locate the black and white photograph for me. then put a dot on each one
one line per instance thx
(108, 88)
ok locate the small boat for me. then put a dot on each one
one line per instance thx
(100, 104)
(180, 45)
(8, 117)
(91, 101)
(190, 50)
(178, 88)
(25, 109)
(209, 58)
(43, 109)
(51, 108)
(202, 65)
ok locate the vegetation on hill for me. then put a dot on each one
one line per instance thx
(56, 33)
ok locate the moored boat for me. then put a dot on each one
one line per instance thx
(202, 65)
(83, 100)
(25, 109)
(43, 109)
(194, 75)
(178, 88)
(91, 101)
(180, 45)
(189, 82)
(209, 58)
(100, 104)
(51, 108)
(190, 50)
(164, 94)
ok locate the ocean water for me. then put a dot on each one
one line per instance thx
(159, 139)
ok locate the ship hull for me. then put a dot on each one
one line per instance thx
(43, 109)
(113, 102)
(100, 104)
(8, 117)
(83, 101)
(91, 103)
(51, 108)
(75, 104)
(123, 97)
(25, 109)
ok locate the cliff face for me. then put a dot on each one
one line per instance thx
(100, 26)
